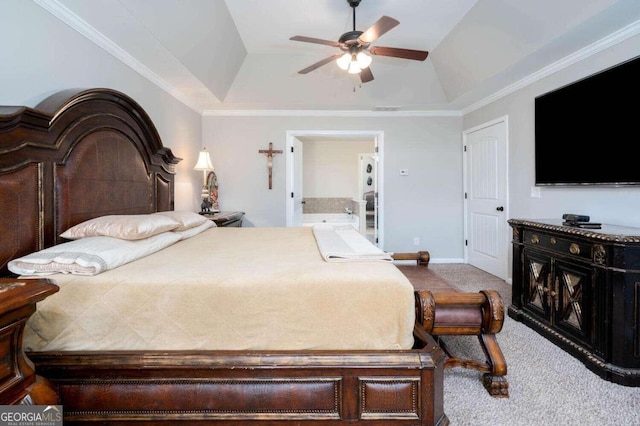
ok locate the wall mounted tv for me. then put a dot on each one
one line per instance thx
(587, 133)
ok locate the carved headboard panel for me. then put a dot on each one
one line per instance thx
(79, 154)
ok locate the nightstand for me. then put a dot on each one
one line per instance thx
(226, 218)
(18, 381)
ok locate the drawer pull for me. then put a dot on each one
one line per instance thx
(535, 239)
(574, 249)
(553, 240)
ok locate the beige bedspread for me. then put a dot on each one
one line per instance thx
(230, 288)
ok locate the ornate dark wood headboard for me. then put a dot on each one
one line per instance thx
(77, 155)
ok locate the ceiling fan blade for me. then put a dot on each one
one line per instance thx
(383, 25)
(315, 40)
(319, 64)
(416, 55)
(366, 75)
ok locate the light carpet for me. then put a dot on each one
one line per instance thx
(547, 386)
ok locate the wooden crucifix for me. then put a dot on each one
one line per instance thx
(269, 152)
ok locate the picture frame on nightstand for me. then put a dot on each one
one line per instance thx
(212, 187)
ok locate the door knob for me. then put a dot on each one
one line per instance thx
(500, 209)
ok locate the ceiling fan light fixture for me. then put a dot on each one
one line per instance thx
(344, 61)
(356, 47)
(363, 59)
(354, 68)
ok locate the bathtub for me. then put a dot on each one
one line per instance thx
(338, 219)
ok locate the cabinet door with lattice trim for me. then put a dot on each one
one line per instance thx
(574, 288)
(538, 285)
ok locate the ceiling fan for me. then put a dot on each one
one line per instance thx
(354, 45)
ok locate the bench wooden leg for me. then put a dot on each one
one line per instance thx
(467, 314)
(494, 382)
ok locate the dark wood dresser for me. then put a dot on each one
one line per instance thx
(18, 381)
(580, 288)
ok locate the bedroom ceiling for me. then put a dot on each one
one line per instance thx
(236, 54)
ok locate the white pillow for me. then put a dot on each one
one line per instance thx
(196, 230)
(90, 255)
(186, 219)
(126, 227)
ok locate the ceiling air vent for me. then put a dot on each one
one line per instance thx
(387, 108)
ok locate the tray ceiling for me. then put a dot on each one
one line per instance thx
(236, 55)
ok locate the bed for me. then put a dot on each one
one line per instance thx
(86, 154)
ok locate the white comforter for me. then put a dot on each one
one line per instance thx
(230, 288)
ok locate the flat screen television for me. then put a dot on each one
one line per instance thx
(588, 132)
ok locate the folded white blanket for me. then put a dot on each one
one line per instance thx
(345, 244)
(90, 255)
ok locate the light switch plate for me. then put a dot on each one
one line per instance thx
(535, 192)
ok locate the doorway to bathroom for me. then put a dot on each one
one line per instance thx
(336, 179)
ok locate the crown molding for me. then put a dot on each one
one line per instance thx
(74, 21)
(328, 113)
(619, 36)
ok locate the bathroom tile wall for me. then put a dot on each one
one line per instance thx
(326, 205)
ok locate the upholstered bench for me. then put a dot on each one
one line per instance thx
(454, 313)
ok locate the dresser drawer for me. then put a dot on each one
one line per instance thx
(557, 244)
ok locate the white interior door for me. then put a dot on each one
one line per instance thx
(486, 227)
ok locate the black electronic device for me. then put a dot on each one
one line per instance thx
(589, 112)
(579, 221)
(570, 217)
(585, 225)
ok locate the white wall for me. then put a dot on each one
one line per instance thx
(41, 56)
(331, 168)
(426, 204)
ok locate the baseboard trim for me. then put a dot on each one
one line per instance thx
(444, 260)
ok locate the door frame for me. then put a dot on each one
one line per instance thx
(506, 238)
(378, 139)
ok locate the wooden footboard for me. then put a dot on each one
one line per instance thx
(328, 387)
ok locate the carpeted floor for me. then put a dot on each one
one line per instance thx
(547, 386)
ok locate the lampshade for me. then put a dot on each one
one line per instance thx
(364, 60)
(354, 68)
(204, 161)
(344, 61)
